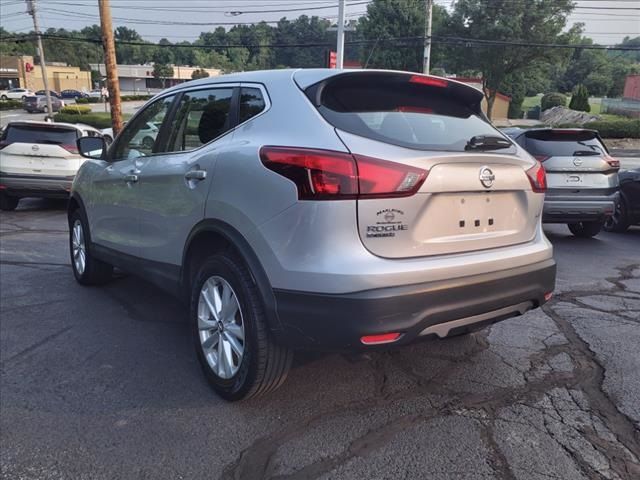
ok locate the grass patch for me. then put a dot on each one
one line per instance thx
(97, 120)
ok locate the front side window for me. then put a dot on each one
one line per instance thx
(202, 116)
(139, 137)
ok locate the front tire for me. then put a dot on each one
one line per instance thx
(8, 203)
(619, 221)
(586, 229)
(4, 97)
(238, 357)
(87, 269)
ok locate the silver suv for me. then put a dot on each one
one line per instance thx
(582, 177)
(324, 209)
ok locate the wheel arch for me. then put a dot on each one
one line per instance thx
(210, 236)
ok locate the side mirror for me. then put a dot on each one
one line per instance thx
(92, 147)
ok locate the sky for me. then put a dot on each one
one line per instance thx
(607, 22)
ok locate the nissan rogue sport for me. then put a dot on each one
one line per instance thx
(319, 209)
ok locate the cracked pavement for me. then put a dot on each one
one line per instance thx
(102, 383)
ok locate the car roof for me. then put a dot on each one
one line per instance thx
(304, 77)
(77, 126)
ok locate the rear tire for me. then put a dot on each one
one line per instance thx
(8, 203)
(586, 229)
(4, 97)
(227, 317)
(87, 269)
(619, 221)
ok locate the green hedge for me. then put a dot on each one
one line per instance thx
(553, 99)
(93, 100)
(76, 110)
(82, 100)
(612, 128)
(10, 104)
(98, 120)
(128, 98)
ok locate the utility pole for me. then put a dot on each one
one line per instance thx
(31, 10)
(340, 46)
(427, 37)
(109, 47)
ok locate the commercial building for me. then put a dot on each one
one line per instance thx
(139, 78)
(23, 72)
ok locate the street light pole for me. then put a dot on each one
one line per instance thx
(31, 10)
(340, 46)
(427, 37)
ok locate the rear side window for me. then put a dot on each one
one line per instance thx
(202, 116)
(41, 135)
(558, 143)
(394, 109)
(251, 103)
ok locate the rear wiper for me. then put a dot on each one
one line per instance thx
(586, 153)
(487, 142)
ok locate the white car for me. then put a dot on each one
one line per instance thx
(39, 159)
(15, 94)
(95, 93)
(144, 138)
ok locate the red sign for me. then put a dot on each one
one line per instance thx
(28, 67)
(333, 60)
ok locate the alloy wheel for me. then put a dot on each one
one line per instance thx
(79, 248)
(221, 327)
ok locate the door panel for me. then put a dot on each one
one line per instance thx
(173, 187)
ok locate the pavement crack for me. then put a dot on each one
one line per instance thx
(36, 345)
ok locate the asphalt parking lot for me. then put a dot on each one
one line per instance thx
(103, 383)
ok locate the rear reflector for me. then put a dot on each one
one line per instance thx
(329, 175)
(380, 339)
(430, 81)
(537, 178)
(3, 187)
(548, 296)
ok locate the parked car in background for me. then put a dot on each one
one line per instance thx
(627, 210)
(39, 159)
(325, 209)
(96, 93)
(145, 137)
(53, 93)
(38, 103)
(582, 178)
(74, 94)
(15, 94)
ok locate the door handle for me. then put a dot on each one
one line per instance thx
(131, 178)
(196, 175)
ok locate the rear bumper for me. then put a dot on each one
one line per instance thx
(567, 208)
(337, 322)
(35, 186)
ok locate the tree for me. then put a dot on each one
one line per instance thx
(162, 71)
(199, 73)
(536, 21)
(580, 99)
(392, 19)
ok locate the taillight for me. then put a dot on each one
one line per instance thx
(537, 178)
(612, 161)
(542, 158)
(329, 175)
(70, 148)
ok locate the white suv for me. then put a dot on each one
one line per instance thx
(39, 159)
(320, 209)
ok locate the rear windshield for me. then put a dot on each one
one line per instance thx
(394, 110)
(563, 144)
(38, 134)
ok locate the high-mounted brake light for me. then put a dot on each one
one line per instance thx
(537, 178)
(542, 158)
(329, 175)
(612, 161)
(431, 81)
